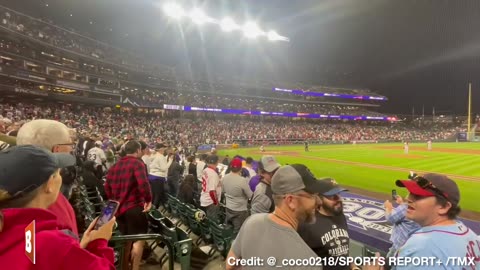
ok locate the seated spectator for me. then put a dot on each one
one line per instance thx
(187, 190)
(26, 193)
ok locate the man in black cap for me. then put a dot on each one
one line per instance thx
(328, 237)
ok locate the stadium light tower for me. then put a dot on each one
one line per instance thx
(251, 30)
(173, 10)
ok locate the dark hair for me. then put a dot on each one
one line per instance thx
(454, 210)
(89, 165)
(249, 160)
(21, 201)
(132, 147)
(143, 145)
(203, 156)
(235, 169)
(190, 159)
(212, 159)
(189, 180)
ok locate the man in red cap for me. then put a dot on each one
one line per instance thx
(237, 193)
(433, 202)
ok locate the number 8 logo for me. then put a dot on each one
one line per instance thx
(28, 241)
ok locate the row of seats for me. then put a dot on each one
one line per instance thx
(209, 231)
(166, 234)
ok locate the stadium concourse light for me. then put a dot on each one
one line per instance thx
(250, 29)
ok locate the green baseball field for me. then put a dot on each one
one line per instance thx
(373, 168)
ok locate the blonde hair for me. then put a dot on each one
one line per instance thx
(4, 195)
(43, 133)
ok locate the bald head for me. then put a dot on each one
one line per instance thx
(44, 133)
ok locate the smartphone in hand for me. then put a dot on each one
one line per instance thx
(107, 214)
(394, 194)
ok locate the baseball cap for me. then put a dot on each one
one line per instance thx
(329, 187)
(211, 159)
(236, 163)
(442, 183)
(17, 179)
(269, 163)
(293, 178)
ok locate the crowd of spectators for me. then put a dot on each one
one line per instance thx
(193, 129)
(45, 31)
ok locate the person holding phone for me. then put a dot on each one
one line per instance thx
(26, 192)
(402, 227)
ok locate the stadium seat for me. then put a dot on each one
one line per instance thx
(192, 222)
(222, 236)
(122, 245)
(175, 240)
(179, 240)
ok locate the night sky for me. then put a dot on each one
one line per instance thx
(416, 52)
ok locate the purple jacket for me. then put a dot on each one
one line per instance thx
(254, 182)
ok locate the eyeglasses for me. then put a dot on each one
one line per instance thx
(426, 184)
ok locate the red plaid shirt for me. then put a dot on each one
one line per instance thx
(127, 183)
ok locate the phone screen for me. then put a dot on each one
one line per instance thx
(107, 213)
(394, 194)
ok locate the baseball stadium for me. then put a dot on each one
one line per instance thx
(229, 135)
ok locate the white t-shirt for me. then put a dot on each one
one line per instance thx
(210, 181)
(97, 155)
(251, 172)
(200, 167)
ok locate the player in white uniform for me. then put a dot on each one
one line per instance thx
(405, 147)
(97, 155)
(262, 148)
(211, 188)
(429, 145)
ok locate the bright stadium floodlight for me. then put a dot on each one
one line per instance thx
(228, 25)
(198, 17)
(173, 10)
(251, 30)
(274, 36)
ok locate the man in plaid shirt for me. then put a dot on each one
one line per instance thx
(127, 183)
(402, 227)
